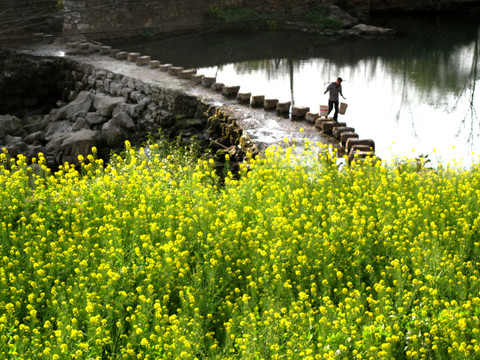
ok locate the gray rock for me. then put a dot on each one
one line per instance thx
(82, 102)
(124, 121)
(11, 125)
(38, 136)
(80, 124)
(105, 104)
(112, 134)
(79, 143)
(95, 119)
(369, 30)
(12, 140)
(33, 123)
(57, 127)
(346, 19)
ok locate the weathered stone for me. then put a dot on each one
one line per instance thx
(133, 56)
(230, 90)
(12, 140)
(112, 134)
(121, 55)
(143, 60)
(216, 86)
(124, 121)
(79, 143)
(351, 142)
(338, 130)
(360, 148)
(207, 81)
(257, 100)
(80, 124)
(299, 111)
(196, 78)
(114, 52)
(347, 135)
(270, 104)
(93, 48)
(82, 102)
(154, 64)
(327, 126)
(311, 117)
(283, 107)
(187, 74)
(369, 30)
(11, 125)
(105, 50)
(57, 127)
(95, 119)
(244, 98)
(105, 104)
(175, 70)
(38, 136)
(165, 67)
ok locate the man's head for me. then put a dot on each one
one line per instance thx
(339, 81)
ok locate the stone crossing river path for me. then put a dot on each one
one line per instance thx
(265, 128)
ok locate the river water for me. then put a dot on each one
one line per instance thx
(413, 94)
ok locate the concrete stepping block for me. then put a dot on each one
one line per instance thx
(230, 90)
(257, 100)
(283, 107)
(360, 148)
(143, 60)
(207, 81)
(311, 117)
(104, 50)
(338, 130)
(360, 156)
(175, 70)
(217, 86)
(154, 64)
(38, 36)
(83, 46)
(327, 126)
(299, 111)
(187, 74)
(114, 52)
(351, 142)
(197, 78)
(94, 48)
(244, 98)
(165, 67)
(270, 104)
(122, 55)
(71, 45)
(348, 135)
(132, 57)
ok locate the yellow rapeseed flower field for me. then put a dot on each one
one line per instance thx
(152, 257)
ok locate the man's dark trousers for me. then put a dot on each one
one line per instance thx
(332, 104)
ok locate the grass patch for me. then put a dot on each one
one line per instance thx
(149, 258)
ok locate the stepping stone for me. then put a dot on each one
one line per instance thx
(114, 52)
(327, 126)
(338, 130)
(348, 135)
(165, 67)
(299, 111)
(143, 60)
(311, 117)
(187, 74)
(104, 50)
(230, 90)
(197, 78)
(283, 107)
(351, 142)
(217, 86)
(257, 100)
(175, 70)
(154, 64)
(270, 104)
(132, 57)
(244, 98)
(207, 81)
(122, 55)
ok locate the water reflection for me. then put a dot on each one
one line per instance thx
(416, 91)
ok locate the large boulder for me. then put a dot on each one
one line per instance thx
(11, 125)
(112, 134)
(57, 127)
(369, 30)
(95, 119)
(105, 104)
(79, 143)
(81, 105)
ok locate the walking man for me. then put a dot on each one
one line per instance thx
(334, 88)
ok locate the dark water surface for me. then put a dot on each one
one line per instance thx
(414, 94)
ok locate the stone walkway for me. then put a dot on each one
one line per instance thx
(265, 128)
